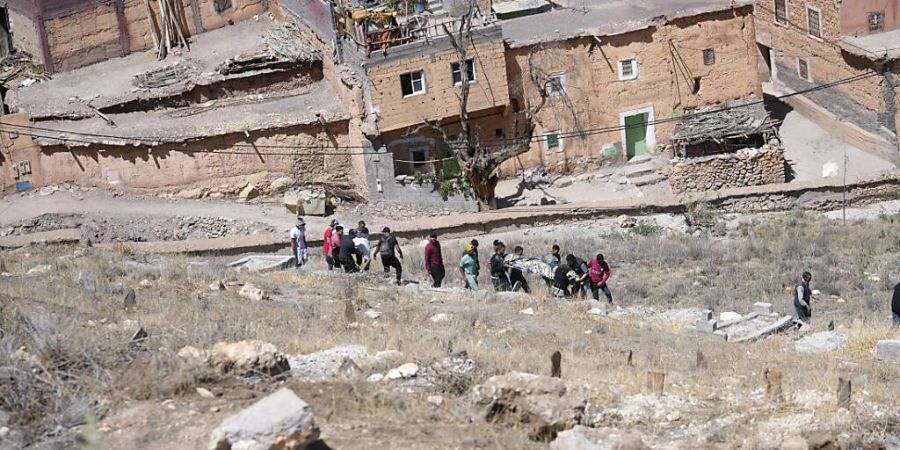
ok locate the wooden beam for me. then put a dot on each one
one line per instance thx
(124, 41)
(45, 43)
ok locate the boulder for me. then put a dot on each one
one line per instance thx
(584, 438)
(326, 365)
(888, 351)
(249, 193)
(189, 194)
(280, 184)
(440, 317)
(407, 370)
(253, 293)
(626, 221)
(543, 404)
(280, 421)
(248, 358)
(40, 270)
(822, 342)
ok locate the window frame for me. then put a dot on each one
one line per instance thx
(800, 62)
(472, 79)
(634, 69)
(412, 83)
(560, 145)
(712, 60)
(808, 28)
(787, 16)
(880, 22)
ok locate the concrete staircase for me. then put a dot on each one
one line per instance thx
(642, 170)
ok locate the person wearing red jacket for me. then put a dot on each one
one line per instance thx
(599, 273)
(434, 261)
(326, 244)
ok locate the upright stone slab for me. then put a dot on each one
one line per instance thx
(279, 421)
(888, 351)
(763, 309)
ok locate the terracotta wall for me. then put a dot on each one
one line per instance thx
(824, 57)
(596, 97)
(84, 37)
(16, 148)
(440, 98)
(174, 165)
(854, 15)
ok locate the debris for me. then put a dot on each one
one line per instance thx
(407, 370)
(139, 336)
(27, 82)
(375, 378)
(411, 288)
(39, 270)
(249, 193)
(585, 438)
(190, 194)
(435, 400)
(729, 316)
(280, 184)
(527, 311)
(217, 286)
(627, 222)
(253, 293)
(372, 314)
(717, 125)
(440, 317)
(248, 358)
(331, 364)
(205, 393)
(281, 420)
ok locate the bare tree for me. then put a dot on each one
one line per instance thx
(479, 160)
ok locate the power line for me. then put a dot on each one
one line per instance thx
(498, 143)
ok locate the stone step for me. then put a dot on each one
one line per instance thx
(639, 159)
(638, 171)
(645, 180)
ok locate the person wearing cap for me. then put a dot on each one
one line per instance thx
(326, 244)
(468, 267)
(391, 254)
(336, 237)
(499, 277)
(298, 243)
(434, 261)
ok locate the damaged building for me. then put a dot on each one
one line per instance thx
(227, 108)
(852, 45)
(731, 145)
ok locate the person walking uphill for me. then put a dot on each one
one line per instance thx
(326, 244)
(468, 267)
(298, 243)
(434, 261)
(599, 274)
(802, 298)
(391, 254)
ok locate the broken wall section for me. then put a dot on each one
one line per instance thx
(747, 167)
(208, 159)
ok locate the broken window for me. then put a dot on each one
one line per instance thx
(814, 22)
(628, 69)
(222, 5)
(554, 141)
(412, 83)
(803, 69)
(876, 21)
(709, 57)
(556, 85)
(781, 12)
(457, 74)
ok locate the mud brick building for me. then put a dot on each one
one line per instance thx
(805, 43)
(67, 34)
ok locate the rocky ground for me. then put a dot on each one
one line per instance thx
(109, 349)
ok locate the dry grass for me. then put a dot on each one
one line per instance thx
(87, 366)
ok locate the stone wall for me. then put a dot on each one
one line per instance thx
(747, 167)
(181, 164)
(597, 98)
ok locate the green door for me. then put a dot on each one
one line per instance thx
(449, 164)
(636, 135)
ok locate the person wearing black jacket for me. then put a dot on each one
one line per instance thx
(895, 307)
(348, 251)
(499, 276)
(581, 269)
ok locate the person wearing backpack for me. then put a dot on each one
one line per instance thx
(391, 254)
(599, 273)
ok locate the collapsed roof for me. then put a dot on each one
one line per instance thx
(729, 126)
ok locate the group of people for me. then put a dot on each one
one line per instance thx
(349, 249)
(803, 297)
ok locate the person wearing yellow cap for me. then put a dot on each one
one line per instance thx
(468, 268)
